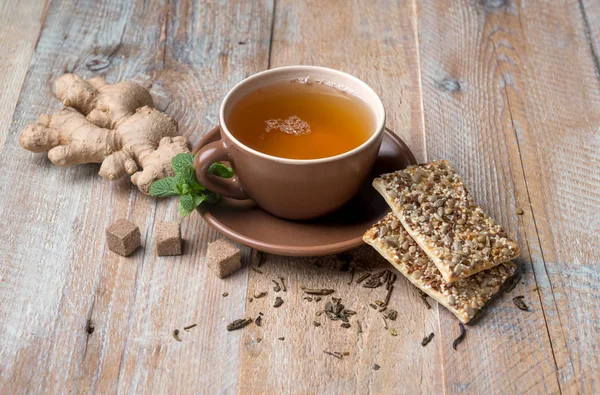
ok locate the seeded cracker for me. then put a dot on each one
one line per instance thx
(440, 214)
(463, 297)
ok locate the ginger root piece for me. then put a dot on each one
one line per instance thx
(110, 124)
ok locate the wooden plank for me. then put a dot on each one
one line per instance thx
(58, 273)
(360, 38)
(210, 46)
(510, 98)
(20, 24)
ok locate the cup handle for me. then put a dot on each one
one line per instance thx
(206, 156)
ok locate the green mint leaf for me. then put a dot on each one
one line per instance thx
(198, 199)
(182, 161)
(186, 205)
(211, 198)
(220, 170)
(183, 165)
(164, 187)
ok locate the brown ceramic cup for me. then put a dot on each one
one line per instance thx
(292, 188)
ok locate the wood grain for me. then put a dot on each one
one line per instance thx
(350, 36)
(495, 75)
(20, 24)
(508, 91)
(58, 273)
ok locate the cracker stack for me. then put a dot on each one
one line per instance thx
(440, 239)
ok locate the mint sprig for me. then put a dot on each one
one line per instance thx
(184, 184)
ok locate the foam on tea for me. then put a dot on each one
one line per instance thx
(300, 119)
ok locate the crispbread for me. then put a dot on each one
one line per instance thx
(463, 297)
(438, 211)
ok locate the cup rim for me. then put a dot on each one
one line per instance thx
(377, 107)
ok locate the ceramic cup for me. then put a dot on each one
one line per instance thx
(295, 189)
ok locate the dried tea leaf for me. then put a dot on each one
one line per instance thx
(187, 328)
(276, 287)
(427, 339)
(258, 321)
(520, 303)
(336, 354)
(318, 291)
(238, 324)
(176, 335)
(363, 277)
(376, 367)
(278, 302)
(460, 337)
(260, 295)
(282, 281)
(391, 314)
(393, 332)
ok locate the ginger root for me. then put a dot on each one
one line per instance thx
(115, 125)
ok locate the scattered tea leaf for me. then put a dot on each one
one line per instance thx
(258, 321)
(260, 294)
(373, 282)
(387, 295)
(250, 300)
(187, 328)
(278, 302)
(256, 258)
(317, 298)
(346, 353)
(281, 338)
(393, 332)
(391, 314)
(376, 367)
(225, 294)
(256, 270)
(345, 325)
(318, 313)
(352, 271)
(89, 327)
(423, 296)
(382, 309)
(520, 303)
(315, 323)
(427, 339)
(520, 211)
(513, 282)
(318, 291)
(373, 306)
(385, 325)
(363, 277)
(276, 287)
(335, 354)
(282, 281)
(176, 335)
(308, 298)
(238, 324)
(460, 337)
(358, 328)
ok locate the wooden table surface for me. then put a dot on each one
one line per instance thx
(507, 90)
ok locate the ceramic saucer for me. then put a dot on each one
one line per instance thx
(244, 222)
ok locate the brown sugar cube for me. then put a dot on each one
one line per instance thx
(168, 238)
(223, 257)
(123, 237)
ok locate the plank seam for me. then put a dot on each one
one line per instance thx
(588, 37)
(538, 237)
(272, 33)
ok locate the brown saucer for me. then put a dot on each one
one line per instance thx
(244, 222)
